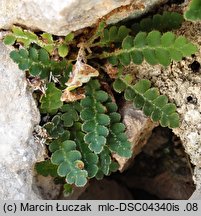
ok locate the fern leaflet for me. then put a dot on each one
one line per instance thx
(148, 99)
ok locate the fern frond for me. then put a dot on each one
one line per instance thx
(66, 117)
(45, 41)
(21, 36)
(94, 117)
(193, 12)
(56, 143)
(165, 22)
(117, 140)
(148, 99)
(50, 102)
(46, 168)
(38, 62)
(104, 163)
(69, 164)
(112, 35)
(153, 47)
(54, 128)
(89, 158)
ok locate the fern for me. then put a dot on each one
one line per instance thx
(117, 140)
(46, 168)
(50, 102)
(27, 38)
(194, 11)
(70, 114)
(106, 165)
(94, 117)
(104, 162)
(89, 158)
(165, 22)
(66, 117)
(54, 128)
(69, 164)
(148, 99)
(84, 135)
(113, 35)
(153, 47)
(55, 143)
(37, 62)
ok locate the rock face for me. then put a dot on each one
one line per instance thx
(18, 115)
(181, 83)
(138, 130)
(62, 16)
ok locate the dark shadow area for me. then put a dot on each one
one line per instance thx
(161, 171)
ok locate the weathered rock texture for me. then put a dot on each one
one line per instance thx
(183, 86)
(61, 16)
(138, 129)
(18, 115)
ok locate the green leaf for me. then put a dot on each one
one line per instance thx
(113, 35)
(137, 57)
(48, 38)
(69, 37)
(18, 31)
(193, 12)
(153, 38)
(94, 117)
(38, 62)
(69, 164)
(89, 158)
(51, 100)
(127, 43)
(154, 47)
(24, 36)
(140, 40)
(68, 189)
(117, 141)
(142, 86)
(167, 39)
(123, 31)
(150, 56)
(154, 105)
(46, 168)
(119, 85)
(163, 56)
(9, 39)
(105, 161)
(56, 144)
(63, 50)
(70, 115)
(43, 56)
(165, 22)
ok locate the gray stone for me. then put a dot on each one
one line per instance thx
(18, 115)
(61, 17)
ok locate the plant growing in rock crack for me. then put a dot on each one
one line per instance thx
(79, 75)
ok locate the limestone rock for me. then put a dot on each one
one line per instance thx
(197, 178)
(60, 17)
(182, 86)
(138, 129)
(18, 115)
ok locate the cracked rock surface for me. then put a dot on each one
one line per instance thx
(182, 84)
(61, 16)
(18, 115)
